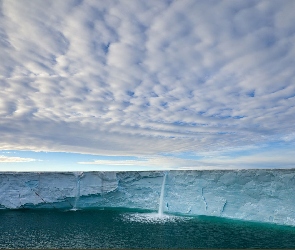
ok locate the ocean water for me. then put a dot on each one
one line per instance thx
(122, 228)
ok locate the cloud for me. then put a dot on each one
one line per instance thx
(155, 163)
(145, 78)
(265, 159)
(6, 159)
(275, 159)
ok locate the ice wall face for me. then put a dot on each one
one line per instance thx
(261, 195)
(19, 190)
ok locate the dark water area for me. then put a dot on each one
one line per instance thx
(41, 229)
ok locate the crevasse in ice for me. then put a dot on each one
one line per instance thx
(259, 195)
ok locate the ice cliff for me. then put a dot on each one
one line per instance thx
(259, 195)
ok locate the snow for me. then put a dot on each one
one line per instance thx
(257, 195)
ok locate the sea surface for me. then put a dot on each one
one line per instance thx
(122, 228)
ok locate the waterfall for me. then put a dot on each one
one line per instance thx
(160, 210)
(77, 197)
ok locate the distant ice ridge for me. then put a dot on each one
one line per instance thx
(258, 195)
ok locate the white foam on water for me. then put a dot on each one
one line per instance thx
(152, 218)
(74, 209)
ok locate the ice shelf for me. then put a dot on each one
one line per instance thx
(258, 195)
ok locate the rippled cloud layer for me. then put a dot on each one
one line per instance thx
(146, 77)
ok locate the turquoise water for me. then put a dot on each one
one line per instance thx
(134, 229)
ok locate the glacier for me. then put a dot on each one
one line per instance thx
(254, 195)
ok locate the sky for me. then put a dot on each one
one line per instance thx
(146, 85)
